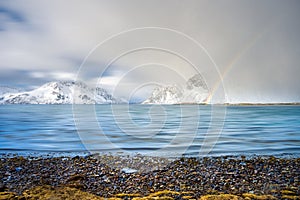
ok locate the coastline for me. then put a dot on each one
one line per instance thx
(241, 177)
(183, 103)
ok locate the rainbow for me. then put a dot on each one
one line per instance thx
(230, 65)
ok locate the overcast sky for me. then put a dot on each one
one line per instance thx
(248, 50)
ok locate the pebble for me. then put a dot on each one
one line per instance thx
(18, 169)
(199, 176)
(129, 170)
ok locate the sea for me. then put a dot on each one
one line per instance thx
(155, 130)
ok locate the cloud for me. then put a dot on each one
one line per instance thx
(53, 75)
(44, 41)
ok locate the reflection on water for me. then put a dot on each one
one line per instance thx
(149, 129)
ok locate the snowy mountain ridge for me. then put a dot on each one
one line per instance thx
(7, 89)
(62, 92)
(195, 92)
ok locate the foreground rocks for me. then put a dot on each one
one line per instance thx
(185, 178)
(66, 193)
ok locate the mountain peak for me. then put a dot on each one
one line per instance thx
(195, 92)
(164, 95)
(61, 92)
(196, 81)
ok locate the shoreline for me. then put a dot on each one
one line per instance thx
(199, 104)
(183, 178)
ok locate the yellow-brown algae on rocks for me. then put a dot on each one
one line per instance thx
(8, 195)
(48, 192)
(127, 195)
(221, 197)
(288, 197)
(66, 193)
(258, 197)
(287, 192)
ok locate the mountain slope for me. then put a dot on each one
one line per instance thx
(5, 90)
(195, 92)
(164, 95)
(66, 92)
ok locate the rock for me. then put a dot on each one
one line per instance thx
(129, 170)
(2, 187)
(75, 177)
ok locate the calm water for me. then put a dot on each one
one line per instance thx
(156, 130)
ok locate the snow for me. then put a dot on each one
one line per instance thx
(64, 92)
(195, 92)
(6, 90)
(164, 95)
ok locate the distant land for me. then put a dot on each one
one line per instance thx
(243, 104)
(262, 104)
(194, 92)
(61, 92)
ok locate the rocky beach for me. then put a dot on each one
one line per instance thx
(91, 177)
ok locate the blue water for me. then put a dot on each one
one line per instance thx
(169, 130)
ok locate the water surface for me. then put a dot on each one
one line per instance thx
(155, 130)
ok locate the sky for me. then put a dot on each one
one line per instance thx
(247, 51)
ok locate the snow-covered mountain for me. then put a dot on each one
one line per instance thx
(165, 95)
(195, 92)
(6, 90)
(66, 92)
